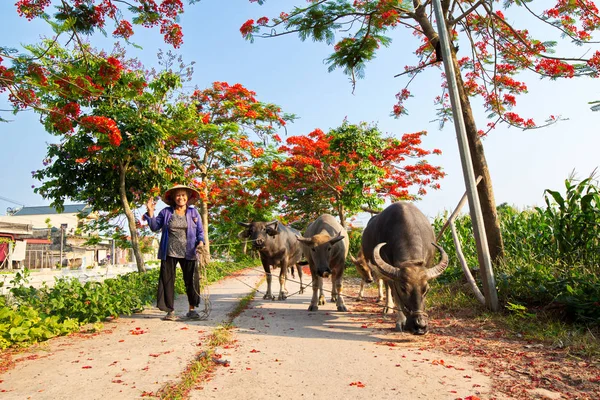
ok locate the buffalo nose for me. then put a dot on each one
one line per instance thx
(420, 331)
(325, 274)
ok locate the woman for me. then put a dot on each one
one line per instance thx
(182, 233)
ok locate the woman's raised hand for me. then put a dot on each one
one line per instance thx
(150, 204)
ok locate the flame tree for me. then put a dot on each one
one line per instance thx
(111, 131)
(493, 51)
(224, 130)
(99, 107)
(351, 166)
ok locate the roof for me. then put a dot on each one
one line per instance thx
(38, 241)
(44, 210)
(15, 227)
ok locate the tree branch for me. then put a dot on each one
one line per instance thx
(567, 33)
(453, 21)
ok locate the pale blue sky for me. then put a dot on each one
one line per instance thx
(292, 74)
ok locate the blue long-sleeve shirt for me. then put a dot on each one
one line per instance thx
(194, 234)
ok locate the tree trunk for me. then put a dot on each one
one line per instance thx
(484, 189)
(204, 216)
(341, 213)
(135, 245)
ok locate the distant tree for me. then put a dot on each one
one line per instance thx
(494, 52)
(224, 129)
(112, 133)
(341, 171)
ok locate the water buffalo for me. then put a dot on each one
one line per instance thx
(278, 247)
(368, 276)
(325, 245)
(399, 245)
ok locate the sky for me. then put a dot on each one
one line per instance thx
(293, 74)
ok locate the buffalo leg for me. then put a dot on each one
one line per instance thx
(282, 282)
(389, 301)
(315, 301)
(361, 292)
(299, 268)
(380, 285)
(400, 318)
(336, 282)
(334, 291)
(269, 294)
(321, 292)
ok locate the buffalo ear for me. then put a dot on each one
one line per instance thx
(244, 234)
(271, 228)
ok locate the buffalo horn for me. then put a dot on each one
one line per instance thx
(384, 268)
(337, 238)
(436, 271)
(304, 240)
(244, 224)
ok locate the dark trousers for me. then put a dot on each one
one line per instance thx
(166, 283)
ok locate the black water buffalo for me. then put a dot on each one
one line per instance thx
(325, 245)
(399, 244)
(278, 247)
(367, 276)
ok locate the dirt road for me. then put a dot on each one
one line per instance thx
(283, 351)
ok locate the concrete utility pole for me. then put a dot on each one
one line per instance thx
(489, 283)
(62, 240)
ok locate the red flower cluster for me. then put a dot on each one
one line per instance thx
(94, 148)
(7, 77)
(31, 8)
(123, 30)
(172, 33)
(38, 73)
(389, 18)
(555, 68)
(110, 72)
(23, 98)
(171, 8)
(62, 118)
(247, 28)
(103, 125)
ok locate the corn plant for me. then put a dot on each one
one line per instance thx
(574, 221)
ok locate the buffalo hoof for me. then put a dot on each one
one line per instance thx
(313, 308)
(334, 299)
(321, 301)
(268, 296)
(342, 308)
(282, 296)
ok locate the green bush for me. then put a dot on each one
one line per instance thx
(552, 254)
(34, 315)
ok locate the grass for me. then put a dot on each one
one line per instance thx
(534, 325)
(199, 370)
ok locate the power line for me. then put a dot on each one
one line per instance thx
(12, 201)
